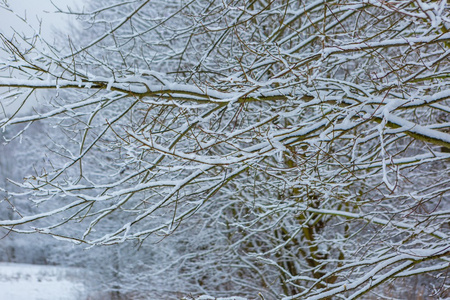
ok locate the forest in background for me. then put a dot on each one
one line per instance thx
(271, 149)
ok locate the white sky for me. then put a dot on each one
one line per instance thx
(40, 16)
(35, 11)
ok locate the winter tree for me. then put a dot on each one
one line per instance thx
(291, 149)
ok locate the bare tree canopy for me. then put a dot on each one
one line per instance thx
(297, 149)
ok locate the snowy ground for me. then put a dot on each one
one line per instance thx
(33, 282)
